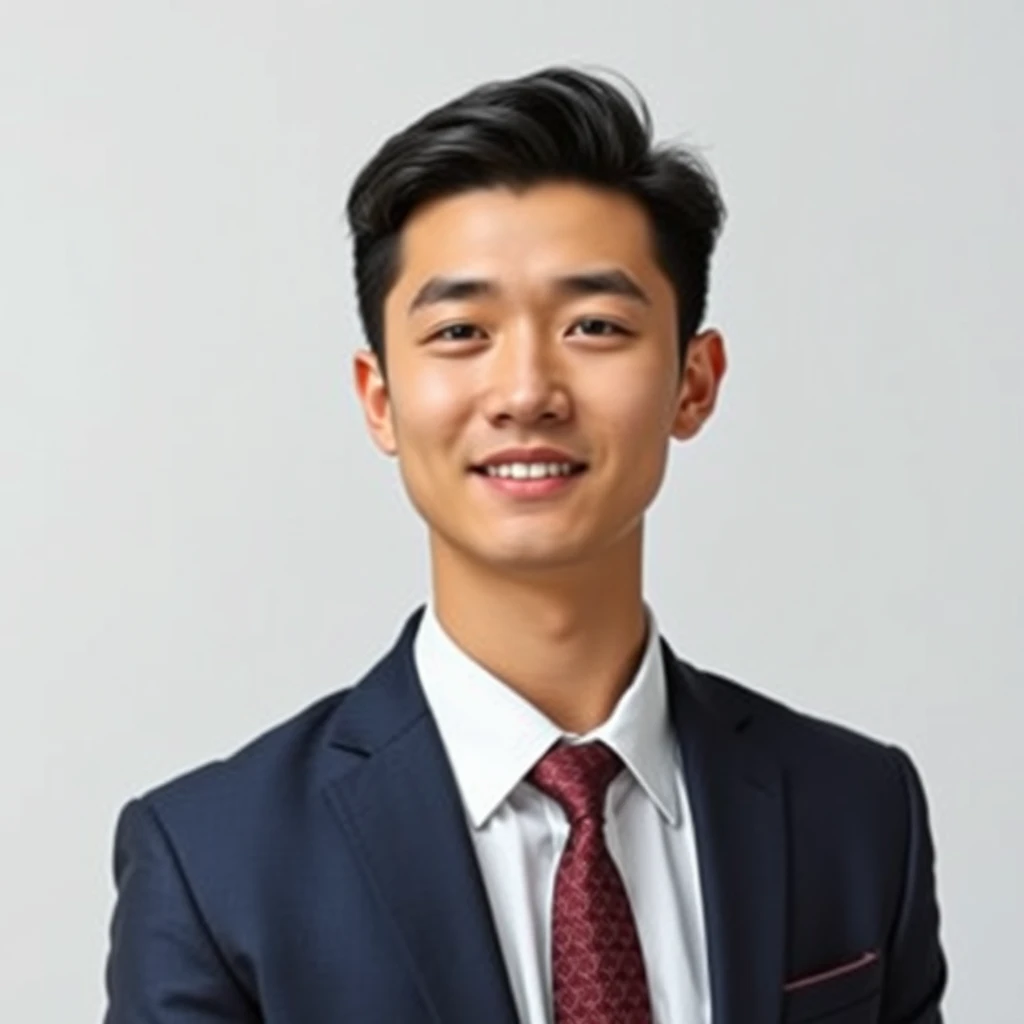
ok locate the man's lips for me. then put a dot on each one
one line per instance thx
(529, 473)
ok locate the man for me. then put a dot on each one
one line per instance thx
(531, 809)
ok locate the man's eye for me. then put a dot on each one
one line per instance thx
(596, 326)
(457, 332)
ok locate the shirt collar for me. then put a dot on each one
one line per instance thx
(493, 736)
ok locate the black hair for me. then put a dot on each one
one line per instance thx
(555, 124)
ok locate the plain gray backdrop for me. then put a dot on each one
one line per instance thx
(197, 538)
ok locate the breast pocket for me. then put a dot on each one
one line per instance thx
(848, 993)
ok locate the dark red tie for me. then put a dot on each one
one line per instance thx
(597, 964)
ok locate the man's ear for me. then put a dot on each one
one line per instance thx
(372, 390)
(698, 386)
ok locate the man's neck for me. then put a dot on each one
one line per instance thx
(568, 641)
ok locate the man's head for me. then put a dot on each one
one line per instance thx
(532, 274)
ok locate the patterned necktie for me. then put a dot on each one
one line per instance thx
(597, 964)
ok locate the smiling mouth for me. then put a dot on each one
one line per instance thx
(527, 471)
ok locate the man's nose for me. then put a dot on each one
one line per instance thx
(528, 381)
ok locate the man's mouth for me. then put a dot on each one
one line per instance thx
(530, 470)
(534, 462)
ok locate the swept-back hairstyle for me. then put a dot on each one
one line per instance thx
(557, 124)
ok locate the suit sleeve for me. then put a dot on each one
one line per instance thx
(163, 965)
(916, 975)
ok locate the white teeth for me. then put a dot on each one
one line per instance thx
(530, 470)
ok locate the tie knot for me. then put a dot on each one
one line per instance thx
(577, 776)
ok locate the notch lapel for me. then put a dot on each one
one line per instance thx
(735, 794)
(399, 807)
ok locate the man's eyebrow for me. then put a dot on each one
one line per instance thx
(596, 282)
(602, 282)
(451, 289)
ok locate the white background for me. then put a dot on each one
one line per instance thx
(197, 539)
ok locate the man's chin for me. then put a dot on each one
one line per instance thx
(532, 557)
(517, 552)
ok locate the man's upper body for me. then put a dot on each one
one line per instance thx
(532, 274)
(332, 870)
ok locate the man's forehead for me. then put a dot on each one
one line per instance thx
(543, 234)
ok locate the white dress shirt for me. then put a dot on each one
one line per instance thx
(493, 737)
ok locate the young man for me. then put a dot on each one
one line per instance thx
(531, 809)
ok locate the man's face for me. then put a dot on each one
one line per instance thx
(533, 331)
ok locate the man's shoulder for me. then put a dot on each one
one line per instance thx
(808, 746)
(270, 770)
(291, 755)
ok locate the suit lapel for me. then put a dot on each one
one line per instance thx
(736, 799)
(399, 807)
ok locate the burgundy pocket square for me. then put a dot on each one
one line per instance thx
(864, 960)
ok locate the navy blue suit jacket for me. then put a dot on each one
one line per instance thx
(325, 874)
